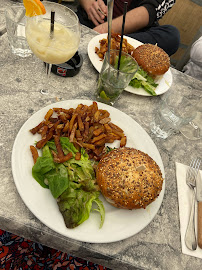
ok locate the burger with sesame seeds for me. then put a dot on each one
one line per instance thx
(129, 178)
(153, 62)
(152, 59)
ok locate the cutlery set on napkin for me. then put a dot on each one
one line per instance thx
(199, 199)
(189, 184)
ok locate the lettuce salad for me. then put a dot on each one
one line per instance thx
(71, 183)
(142, 79)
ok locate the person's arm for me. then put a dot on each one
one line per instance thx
(136, 19)
(95, 10)
(143, 16)
(161, 7)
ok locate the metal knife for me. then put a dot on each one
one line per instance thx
(199, 204)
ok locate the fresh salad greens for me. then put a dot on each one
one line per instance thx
(72, 183)
(75, 204)
(142, 79)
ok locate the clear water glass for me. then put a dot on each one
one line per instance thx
(15, 26)
(173, 113)
(193, 129)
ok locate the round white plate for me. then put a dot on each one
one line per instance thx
(119, 224)
(164, 82)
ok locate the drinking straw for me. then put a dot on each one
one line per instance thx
(52, 23)
(122, 31)
(110, 5)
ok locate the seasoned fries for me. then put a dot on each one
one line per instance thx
(115, 45)
(34, 152)
(86, 126)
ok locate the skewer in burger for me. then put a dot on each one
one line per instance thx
(129, 178)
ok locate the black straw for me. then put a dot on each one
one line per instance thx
(52, 23)
(122, 31)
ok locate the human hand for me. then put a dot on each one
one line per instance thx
(97, 12)
(101, 28)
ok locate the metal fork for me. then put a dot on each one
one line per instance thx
(190, 236)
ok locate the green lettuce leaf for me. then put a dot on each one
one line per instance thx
(68, 146)
(85, 164)
(72, 183)
(75, 205)
(43, 165)
(51, 145)
(101, 210)
(142, 79)
(149, 88)
(49, 174)
(135, 83)
(58, 180)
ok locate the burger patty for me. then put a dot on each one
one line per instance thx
(129, 178)
(152, 59)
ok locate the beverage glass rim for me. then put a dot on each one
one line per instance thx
(64, 7)
(14, 5)
(43, 17)
(114, 50)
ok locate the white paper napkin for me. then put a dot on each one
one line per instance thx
(185, 198)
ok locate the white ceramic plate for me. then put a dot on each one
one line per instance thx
(164, 82)
(119, 224)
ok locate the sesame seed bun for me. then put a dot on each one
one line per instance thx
(129, 178)
(152, 59)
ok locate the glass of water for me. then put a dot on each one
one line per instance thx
(173, 113)
(193, 129)
(15, 26)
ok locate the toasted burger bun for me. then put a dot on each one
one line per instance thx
(152, 59)
(129, 178)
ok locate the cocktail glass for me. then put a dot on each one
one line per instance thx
(113, 79)
(56, 40)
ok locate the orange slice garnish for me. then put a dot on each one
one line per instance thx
(34, 8)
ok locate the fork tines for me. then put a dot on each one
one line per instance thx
(194, 167)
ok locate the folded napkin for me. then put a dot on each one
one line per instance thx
(185, 199)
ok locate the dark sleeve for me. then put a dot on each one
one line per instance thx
(156, 8)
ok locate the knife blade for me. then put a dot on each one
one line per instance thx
(199, 206)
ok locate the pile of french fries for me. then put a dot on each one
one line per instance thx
(86, 126)
(115, 45)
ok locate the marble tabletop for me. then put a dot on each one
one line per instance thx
(158, 245)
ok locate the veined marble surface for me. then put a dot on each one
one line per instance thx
(158, 245)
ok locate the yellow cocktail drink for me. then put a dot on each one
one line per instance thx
(53, 48)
